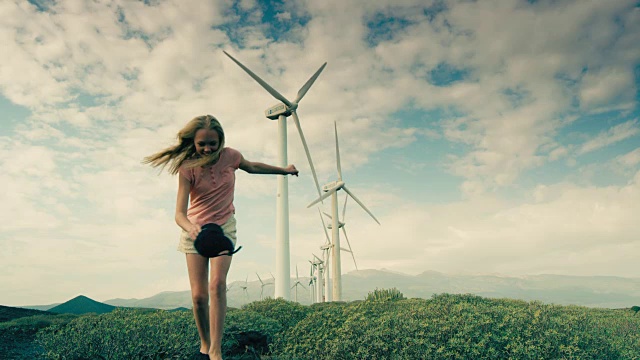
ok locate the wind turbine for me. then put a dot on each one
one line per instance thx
(323, 284)
(331, 189)
(295, 285)
(325, 261)
(317, 268)
(342, 224)
(262, 285)
(244, 288)
(312, 279)
(281, 111)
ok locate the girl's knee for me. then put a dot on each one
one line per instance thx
(200, 299)
(217, 286)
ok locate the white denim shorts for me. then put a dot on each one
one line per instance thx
(185, 244)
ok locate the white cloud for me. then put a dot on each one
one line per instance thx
(629, 159)
(602, 87)
(492, 236)
(616, 133)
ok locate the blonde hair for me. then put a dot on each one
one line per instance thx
(185, 151)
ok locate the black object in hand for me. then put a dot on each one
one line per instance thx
(211, 242)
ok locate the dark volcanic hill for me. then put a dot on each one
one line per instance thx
(82, 305)
(9, 313)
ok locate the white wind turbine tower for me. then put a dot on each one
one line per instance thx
(331, 189)
(325, 261)
(281, 111)
(317, 268)
(295, 285)
(342, 224)
(323, 275)
(312, 293)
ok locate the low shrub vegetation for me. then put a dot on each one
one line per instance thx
(384, 326)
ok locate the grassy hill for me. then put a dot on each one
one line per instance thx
(9, 313)
(445, 326)
(82, 305)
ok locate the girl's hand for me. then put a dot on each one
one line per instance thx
(291, 170)
(194, 231)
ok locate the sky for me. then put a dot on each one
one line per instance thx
(488, 137)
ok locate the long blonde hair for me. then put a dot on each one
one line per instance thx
(185, 151)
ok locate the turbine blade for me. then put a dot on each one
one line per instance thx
(335, 125)
(350, 249)
(306, 150)
(266, 86)
(324, 196)
(303, 90)
(259, 278)
(327, 215)
(360, 203)
(344, 209)
(324, 227)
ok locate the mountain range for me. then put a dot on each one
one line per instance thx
(591, 291)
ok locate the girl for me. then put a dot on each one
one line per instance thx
(206, 175)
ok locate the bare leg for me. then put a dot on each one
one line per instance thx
(197, 266)
(218, 309)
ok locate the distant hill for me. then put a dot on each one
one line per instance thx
(167, 300)
(39, 307)
(9, 313)
(592, 291)
(82, 305)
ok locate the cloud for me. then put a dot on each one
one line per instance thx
(616, 133)
(602, 87)
(630, 159)
(490, 235)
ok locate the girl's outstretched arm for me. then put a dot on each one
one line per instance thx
(259, 168)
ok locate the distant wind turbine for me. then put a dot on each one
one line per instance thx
(312, 280)
(244, 288)
(262, 285)
(295, 285)
(331, 189)
(317, 267)
(325, 261)
(281, 111)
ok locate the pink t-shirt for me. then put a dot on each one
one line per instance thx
(212, 189)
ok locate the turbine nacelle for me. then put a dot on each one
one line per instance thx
(340, 225)
(334, 185)
(276, 110)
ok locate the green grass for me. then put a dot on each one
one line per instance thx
(443, 327)
(32, 324)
